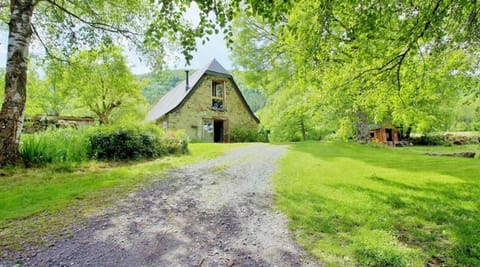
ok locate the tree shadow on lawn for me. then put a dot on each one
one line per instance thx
(434, 218)
(442, 219)
(466, 169)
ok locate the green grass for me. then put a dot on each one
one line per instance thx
(43, 201)
(55, 146)
(352, 204)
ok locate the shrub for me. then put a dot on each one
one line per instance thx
(475, 126)
(262, 135)
(133, 143)
(175, 142)
(427, 140)
(104, 143)
(123, 144)
(242, 135)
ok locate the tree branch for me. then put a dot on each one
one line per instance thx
(47, 50)
(97, 25)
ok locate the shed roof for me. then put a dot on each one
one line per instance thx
(177, 95)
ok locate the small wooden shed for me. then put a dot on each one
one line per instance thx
(385, 133)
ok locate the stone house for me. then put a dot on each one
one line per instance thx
(207, 105)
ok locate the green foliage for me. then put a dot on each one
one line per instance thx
(134, 142)
(36, 151)
(428, 140)
(94, 23)
(255, 98)
(51, 95)
(95, 82)
(118, 143)
(467, 113)
(157, 85)
(169, 25)
(123, 144)
(54, 146)
(175, 142)
(103, 83)
(65, 27)
(361, 59)
(242, 135)
(378, 206)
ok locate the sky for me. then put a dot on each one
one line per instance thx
(215, 48)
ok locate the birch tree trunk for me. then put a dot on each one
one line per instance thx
(12, 112)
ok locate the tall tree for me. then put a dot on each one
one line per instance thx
(49, 93)
(103, 82)
(55, 24)
(79, 24)
(372, 61)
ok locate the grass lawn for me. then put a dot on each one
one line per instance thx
(353, 204)
(39, 202)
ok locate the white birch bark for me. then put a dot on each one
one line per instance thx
(13, 108)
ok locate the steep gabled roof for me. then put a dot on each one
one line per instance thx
(177, 95)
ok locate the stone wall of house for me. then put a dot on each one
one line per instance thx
(198, 108)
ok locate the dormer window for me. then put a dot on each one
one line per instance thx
(218, 95)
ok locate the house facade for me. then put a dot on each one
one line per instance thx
(207, 105)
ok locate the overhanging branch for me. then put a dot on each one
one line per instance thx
(94, 24)
(47, 50)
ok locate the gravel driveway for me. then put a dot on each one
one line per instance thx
(213, 213)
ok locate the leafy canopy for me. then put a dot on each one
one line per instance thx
(364, 61)
(102, 81)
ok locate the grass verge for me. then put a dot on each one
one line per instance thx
(352, 204)
(40, 205)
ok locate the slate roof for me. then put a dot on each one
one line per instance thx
(177, 95)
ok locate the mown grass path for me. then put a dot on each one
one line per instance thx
(380, 206)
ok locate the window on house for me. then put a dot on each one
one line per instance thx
(207, 130)
(218, 95)
(165, 125)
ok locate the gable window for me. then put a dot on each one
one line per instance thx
(218, 95)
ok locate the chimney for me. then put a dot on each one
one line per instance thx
(187, 86)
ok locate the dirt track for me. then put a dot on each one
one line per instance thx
(214, 213)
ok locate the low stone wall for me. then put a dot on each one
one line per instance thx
(453, 154)
(42, 123)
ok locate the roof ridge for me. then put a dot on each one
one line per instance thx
(215, 66)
